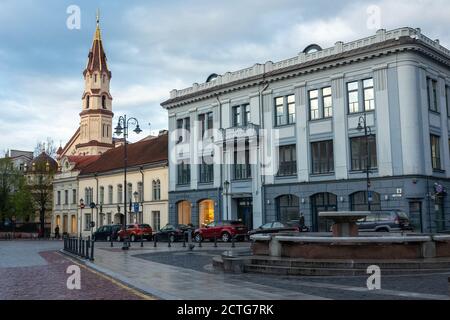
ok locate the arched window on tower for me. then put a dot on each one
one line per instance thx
(104, 102)
(87, 102)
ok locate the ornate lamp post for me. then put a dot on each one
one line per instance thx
(362, 125)
(81, 215)
(122, 127)
(226, 187)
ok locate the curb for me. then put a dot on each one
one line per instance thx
(133, 284)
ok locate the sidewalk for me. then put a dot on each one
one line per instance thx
(170, 282)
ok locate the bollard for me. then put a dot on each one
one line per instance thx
(200, 242)
(112, 242)
(155, 240)
(88, 245)
(168, 241)
(184, 240)
(233, 240)
(215, 241)
(92, 251)
(142, 240)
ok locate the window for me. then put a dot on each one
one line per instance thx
(206, 122)
(206, 171)
(242, 169)
(140, 190)
(287, 208)
(359, 201)
(432, 95)
(352, 92)
(369, 95)
(104, 102)
(241, 115)
(66, 196)
(119, 193)
(327, 102)
(156, 220)
(322, 157)
(285, 110)
(110, 194)
(74, 196)
(129, 192)
(184, 127)
(87, 102)
(184, 173)
(435, 152)
(314, 105)
(102, 195)
(287, 160)
(87, 222)
(156, 187)
(359, 154)
(58, 198)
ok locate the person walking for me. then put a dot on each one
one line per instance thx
(57, 232)
(301, 222)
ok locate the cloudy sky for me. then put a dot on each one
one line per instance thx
(156, 46)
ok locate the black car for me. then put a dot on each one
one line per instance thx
(273, 227)
(175, 232)
(385, 221)
(107, 232)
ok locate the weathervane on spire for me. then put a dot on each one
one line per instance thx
(98, 16)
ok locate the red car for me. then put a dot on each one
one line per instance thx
(135, 231)
(223, 230)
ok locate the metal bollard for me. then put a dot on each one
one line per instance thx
(88, 245)
(215, 241)
(168, 240)
(142, 240)
(155, 240)
(92, 251)
(233, 240)
(112, 242)
(184, 240)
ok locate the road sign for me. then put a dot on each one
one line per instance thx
(369, 196)
(136, 207)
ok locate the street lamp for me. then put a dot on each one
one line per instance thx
(136, 212)
(226, 187)
(362, 125)
(122, 128)
(81, 215)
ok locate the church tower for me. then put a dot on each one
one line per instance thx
(95, 134)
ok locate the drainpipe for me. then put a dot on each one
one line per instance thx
(261, 121)
(96, 207)
(143, 193)
(221, 166)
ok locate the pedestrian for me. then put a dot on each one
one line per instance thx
(301, 222)
(57, 232)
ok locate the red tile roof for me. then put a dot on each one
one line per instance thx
(82, 161)
(139, 153)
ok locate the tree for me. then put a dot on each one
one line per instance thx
(45, 146)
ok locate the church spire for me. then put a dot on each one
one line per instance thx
(97, 57)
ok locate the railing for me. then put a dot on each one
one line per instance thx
(83, 248)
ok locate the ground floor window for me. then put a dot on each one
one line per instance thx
(184, 212)
(439, 213)
(65, 223)
(206, 212)
(156, 217)
(322, 202)
(359, 201)
(58, 221)
(287, 208)
(73, 224)
(108, 218)
(415, 215)
(87, 221)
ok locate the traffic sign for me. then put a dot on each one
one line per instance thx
(136, 207)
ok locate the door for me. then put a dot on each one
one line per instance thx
(415, 215)
(245, 211)
(322, 202)
(65, 223)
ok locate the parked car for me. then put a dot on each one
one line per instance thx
(174, 232)
(135, 231)
(107, 232)
(223, 230)
(273, 227)
(385, 221)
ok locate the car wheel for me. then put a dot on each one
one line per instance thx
(225, 237)
(133, 238)
(198, 237)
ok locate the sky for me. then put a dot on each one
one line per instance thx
(156, 46)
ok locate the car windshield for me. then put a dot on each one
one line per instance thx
(266, 226)
(144, 226)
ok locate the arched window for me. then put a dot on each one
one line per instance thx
(206, 212)
(119, 193)
(104, 102)
(321, 202)
(129, 192)
(87, 102)
(140, 190)
(358, 201)
(156, 187)
(184, 212)
(102, 195)
(287, 208)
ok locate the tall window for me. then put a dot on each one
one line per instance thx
(87, 221)
(74, 196)
(119, 193)
(156, 187)
(314, 105)
(287, 208)
(66, 196)
(184, 173)
(287, 160)
(129, 192)
(87, 102)
(104, 102)
(241, 115)
(58, 198)
(110, 194)
(369, 95)
(242, 169)
(435, 152)
(322, 157)
(432, 95)
(206, 172)
(352, 93)
(102, 195)
(285, 110)
(206, 122)
(359, 154)
(183, 127)
(140, 190)
(320, 103)
(156, 220)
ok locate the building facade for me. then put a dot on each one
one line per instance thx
(292, 139)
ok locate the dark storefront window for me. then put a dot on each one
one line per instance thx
(287, 160)
(288, 208)
(358, 201)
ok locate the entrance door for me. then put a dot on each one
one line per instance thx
(322, 202)
(245, 211)
(65, 223)
(415, 215)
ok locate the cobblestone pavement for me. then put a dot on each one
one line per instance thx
(428, 286)
(35, 270)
